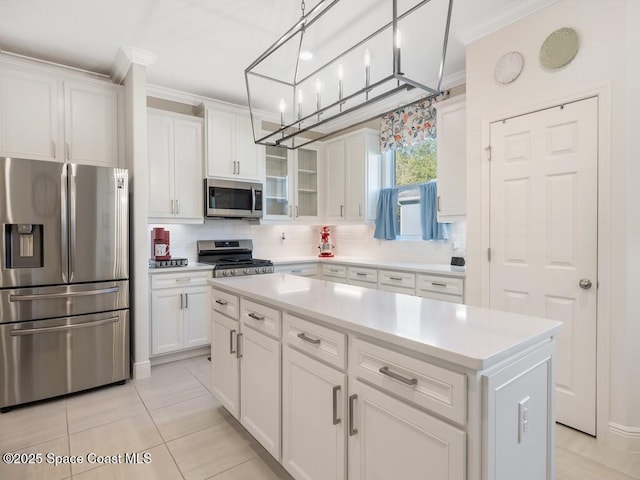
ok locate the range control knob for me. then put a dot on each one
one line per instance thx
(224, 273)
(247, 271)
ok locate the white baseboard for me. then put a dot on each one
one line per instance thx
(174, 357)
(624, 437)
(142, 369)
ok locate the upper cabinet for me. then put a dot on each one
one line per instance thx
(230, 148)
(452, 160)
(175, 167)
(44, 116)
(292, 183)
(353, 177)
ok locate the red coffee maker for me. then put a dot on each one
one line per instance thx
(160, 244)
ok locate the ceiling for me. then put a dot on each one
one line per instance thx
(202, 46)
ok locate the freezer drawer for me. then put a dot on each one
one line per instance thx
(26, 304)
(47, 358)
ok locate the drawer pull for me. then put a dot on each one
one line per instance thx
(336, 420)
(352, 406)
(437, 284)
(397, 279)
(313, 341)
(222, 302)
(400, 378)
(297, 270)
(255, 316)
(231, 350)
(361, 274)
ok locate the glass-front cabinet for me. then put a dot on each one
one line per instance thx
(291, 183)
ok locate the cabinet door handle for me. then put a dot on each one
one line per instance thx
(238, 168)
(172, 209)
(181, 302)
(222, 302)
(255, 316)
(290, 210)
(234, 167)
(359, 209)
(312, 341)
(336, 420)
(352, 406)
(68, 150)
(186, 300)
(238, 345)
(297, 211)
(231, 350)
(177, 206)
(341, 209)
(438, 284)
(53, 149)
(400, 378)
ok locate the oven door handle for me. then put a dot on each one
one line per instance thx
(62, 328)
(48, 296)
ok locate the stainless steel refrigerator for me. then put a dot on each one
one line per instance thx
(64, 291)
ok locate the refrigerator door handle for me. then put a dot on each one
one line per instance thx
(61, 328)
(64, 220)
(72, 221)
(47, 296)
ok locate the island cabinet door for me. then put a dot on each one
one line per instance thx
(260, 362)
(391, 439)
(226, 368)
(313, 423)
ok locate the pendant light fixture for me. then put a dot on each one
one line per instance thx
(345, 62)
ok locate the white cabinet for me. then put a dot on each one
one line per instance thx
(292, 184)
(231, 151)
(225, 365)
(440, 288)
(301, 269)
(179, 311)
(362, 276)
(49, 117)
(353, 177)
(397, 281)
(260, 389)
(334, 272)
(246, 366)
(313, 425)
(175, 167)
(452, 160)
(392, 439)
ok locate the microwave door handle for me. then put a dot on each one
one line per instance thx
(253, 200)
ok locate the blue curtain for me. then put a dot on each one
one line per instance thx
(431, 229)
(387, 215)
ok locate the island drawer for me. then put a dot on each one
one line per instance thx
(260, 317)
(436, 283)
(434, 388)
(334, 271)
(315, 340)
(362, 274)
(226, 303)
(397, 279)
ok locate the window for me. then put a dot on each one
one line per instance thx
(410, 167)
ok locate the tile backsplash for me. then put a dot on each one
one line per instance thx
(282, 241)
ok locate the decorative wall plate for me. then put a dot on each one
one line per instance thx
(559, 48)
(508, 67)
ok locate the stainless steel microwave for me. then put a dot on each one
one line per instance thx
(232, 199)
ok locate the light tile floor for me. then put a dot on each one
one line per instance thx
(173, 419)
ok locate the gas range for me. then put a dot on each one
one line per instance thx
(232, 258)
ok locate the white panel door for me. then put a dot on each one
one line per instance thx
(313, 425)
(160, 152)
(335, 188)
(197, 323)
(188, 168)
(389, 439)
(544, 238)
(260, 388)
(247, 153)
(225, 369)
(221, 144)
(354, 174)
(166, 321)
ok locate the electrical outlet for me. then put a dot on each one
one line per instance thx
(523, 418)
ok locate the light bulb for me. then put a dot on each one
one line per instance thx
(283, 106)
(318, 85)
(300, 95)
(367, 58)
(340, 72)
(398, 38)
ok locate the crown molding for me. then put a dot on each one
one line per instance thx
(518, 11)
(127, 56)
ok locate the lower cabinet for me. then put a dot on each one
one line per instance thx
(313, 425)
(246, 366)
(179, 314)
(391, 439)
(260, 388)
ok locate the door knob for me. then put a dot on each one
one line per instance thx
(585, 283)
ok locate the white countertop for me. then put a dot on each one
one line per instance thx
(436, 268)
(473, 337)
(192, 267)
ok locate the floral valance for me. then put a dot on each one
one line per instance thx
(404, 128)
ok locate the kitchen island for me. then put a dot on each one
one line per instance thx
(340, 381)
